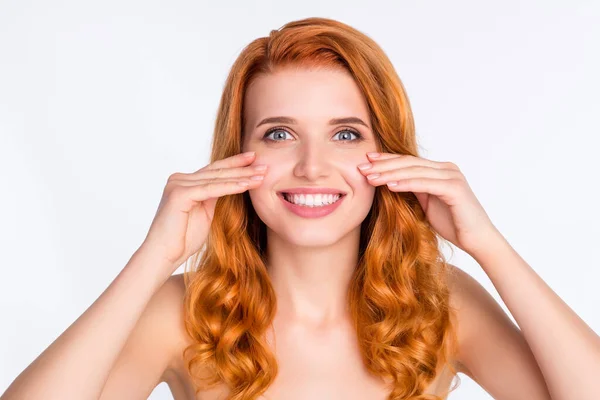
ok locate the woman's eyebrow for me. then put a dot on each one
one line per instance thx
(334, 121)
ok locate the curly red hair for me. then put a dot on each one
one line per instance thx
(399, 292)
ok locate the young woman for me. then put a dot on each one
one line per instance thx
(317, 271)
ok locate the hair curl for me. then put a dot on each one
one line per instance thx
(398, 295)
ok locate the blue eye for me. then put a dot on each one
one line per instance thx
(280, 129)
(273, 130)
(358, 135)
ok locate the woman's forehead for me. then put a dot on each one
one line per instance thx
(305, 95)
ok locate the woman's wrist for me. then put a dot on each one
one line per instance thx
(144, 264)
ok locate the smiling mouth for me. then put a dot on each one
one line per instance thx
(334, 197)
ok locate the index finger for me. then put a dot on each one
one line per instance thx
(237, 160)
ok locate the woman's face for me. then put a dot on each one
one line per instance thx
(307, 150)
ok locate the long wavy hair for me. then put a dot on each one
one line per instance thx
(399, 293)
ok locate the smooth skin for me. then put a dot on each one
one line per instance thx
(130, 339)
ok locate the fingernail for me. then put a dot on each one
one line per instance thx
(365, 166)
(260, 167)
(248, 154)
(374, 155)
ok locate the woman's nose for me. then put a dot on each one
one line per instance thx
(312, 162)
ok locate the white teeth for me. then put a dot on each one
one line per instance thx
(312, 200)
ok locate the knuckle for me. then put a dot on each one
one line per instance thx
(169, 186)
(451, 165)
(455, 175)
(175, 176)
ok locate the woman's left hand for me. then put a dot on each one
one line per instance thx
(444, 194)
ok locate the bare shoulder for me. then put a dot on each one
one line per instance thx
(152, 349)
(171, 298)
(492, 349)
(176, 375)
(164, 313)
(173, 290)
(459, 282)
(473, 304)
(163, 324)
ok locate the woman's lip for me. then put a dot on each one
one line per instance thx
(305, 193)
(310, 212)
(312, 190)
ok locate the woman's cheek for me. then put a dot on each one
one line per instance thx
(275, 166)
(350, 164)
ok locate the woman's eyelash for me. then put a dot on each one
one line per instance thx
(359, 137)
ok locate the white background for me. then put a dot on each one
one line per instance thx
(100, 102)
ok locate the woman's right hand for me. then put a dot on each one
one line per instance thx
(133, 303)
(187, 206)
